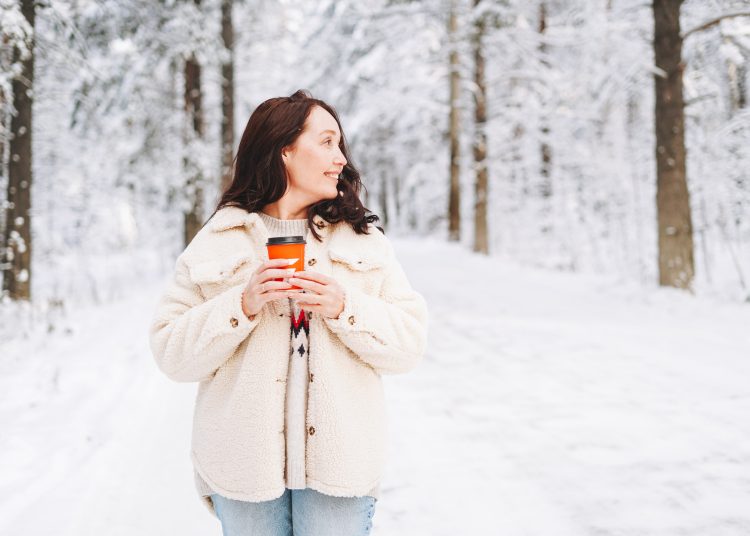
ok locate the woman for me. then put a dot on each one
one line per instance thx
(289, 423)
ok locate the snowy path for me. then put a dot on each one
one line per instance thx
(548, 404)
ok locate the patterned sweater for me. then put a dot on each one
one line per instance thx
(295, 431)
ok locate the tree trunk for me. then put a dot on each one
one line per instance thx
(480, 139)
(454, 199)
(4, 121)
(737, 76)
(676, 267)
(384, 199)
(194, 114)
(227, 95)
(545, 149)
(194, 131)
(16, 259)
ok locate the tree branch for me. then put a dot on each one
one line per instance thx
(713, 22)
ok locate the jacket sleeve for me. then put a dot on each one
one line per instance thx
(388, 332)
(191, 337)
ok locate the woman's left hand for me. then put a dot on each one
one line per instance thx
(322, 294)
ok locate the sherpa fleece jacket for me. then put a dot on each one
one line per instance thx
(199, 333)
(297, 381)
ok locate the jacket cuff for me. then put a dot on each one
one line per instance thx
(350, 319)
(235, 313)
(227, 324)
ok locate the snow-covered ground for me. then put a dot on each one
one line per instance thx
(548, 404)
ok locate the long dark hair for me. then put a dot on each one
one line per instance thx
(259, 174)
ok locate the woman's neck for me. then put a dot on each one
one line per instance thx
(283, 211)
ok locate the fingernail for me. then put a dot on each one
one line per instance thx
(291, 270)
(292, 261)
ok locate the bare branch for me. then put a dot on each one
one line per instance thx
(713, 22)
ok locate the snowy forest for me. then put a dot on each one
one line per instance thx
(524, 130)
(601, 145)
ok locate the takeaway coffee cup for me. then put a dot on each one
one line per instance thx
(288, 247)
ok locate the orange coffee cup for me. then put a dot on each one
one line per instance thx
(288, 247)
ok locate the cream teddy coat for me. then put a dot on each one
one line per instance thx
(200, 334)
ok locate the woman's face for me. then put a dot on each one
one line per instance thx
(315, 161)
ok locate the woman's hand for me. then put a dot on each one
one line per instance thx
(261, 289)
(322, 294)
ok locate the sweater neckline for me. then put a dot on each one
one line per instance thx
(271, 218)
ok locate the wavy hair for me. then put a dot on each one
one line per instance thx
(259, 174)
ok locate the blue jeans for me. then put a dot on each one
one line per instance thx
(310, 513)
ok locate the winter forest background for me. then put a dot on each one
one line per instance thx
(567, 183)
(569, 127)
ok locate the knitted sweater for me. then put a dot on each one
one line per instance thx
(295, 432)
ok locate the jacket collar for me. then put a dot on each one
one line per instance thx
(231, 217)
(342, 243)
(359, 253)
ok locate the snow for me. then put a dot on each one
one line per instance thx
(122, 46)
(109, 125)
(17, 239)
(548, 403)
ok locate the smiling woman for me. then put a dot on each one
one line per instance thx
(313, 163)
(288, 146)
(289, 421)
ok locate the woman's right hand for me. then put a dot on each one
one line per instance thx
(261, 288)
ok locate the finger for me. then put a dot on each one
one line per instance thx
(276, 273)
(271, 286)
(307, 284)
(275, 296)
(275, 263)
(311, 308)
(307, 299)
(314, 276)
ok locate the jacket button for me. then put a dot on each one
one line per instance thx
(351, 320)
(311, 262)
(311, 377)
(234, 322)
(312, 431)
(309, 315)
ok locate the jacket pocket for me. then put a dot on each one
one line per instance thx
(362, 261)
(217, 275)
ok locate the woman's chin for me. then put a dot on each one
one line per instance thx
(327, 196)
(333, 194)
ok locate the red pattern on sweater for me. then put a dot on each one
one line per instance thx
(300, 321)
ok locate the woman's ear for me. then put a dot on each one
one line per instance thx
(287, 151)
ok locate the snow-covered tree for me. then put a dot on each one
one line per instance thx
(570, 160)
(16, 98)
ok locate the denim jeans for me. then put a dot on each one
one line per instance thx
(311, 513)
